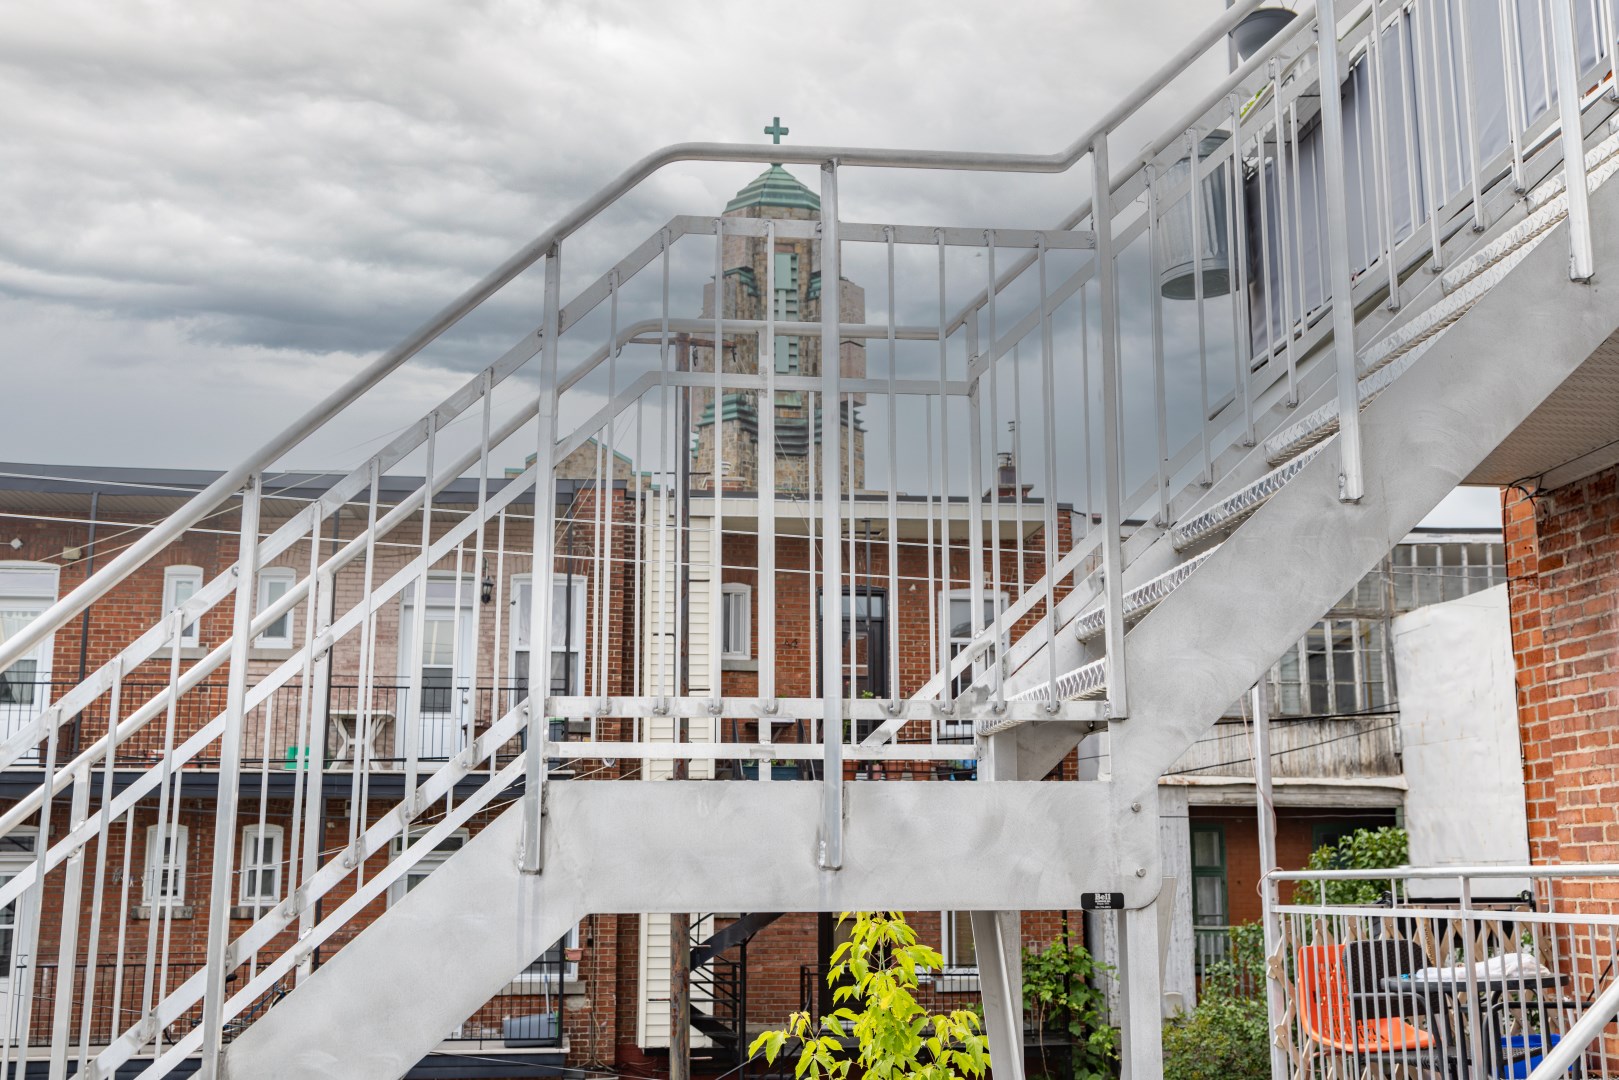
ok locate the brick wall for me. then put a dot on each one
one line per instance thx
(1563, 558)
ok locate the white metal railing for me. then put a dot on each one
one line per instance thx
(1481, 971)
(625, 367)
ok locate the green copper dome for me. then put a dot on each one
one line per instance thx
(775, 187)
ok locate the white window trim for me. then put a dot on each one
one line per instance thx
(172, 576)
(268, 576)
(11, 863)
(578, 605)
(955, 977)
(249, 833)
(951, 725)
(153, 856)
(737, 588)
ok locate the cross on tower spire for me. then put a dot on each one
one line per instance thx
(775, 130)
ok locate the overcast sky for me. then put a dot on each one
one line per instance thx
(214, 212)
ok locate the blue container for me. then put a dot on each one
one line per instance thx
(538, 1029)
(1520, 1054)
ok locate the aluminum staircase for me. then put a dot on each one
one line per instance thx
(1144, 623)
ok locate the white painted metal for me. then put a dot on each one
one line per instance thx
(1435, 384)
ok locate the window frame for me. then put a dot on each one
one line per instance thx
(955, 976)
(250, 870)
(728, 590)
(946, 596)
(579, 602)
(271, 575)
(153, 866)
(18, 857)
(191, 633)
(38, 599)
(529, 977)
(1220, 872)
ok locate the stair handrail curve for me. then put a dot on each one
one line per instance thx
(231, 481)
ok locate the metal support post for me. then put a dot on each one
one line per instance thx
(831, 848)
(998, 945)
(1140, 995)
(230, 763)
(1112, 547)
(1581, 262)
(1350, 483)
(1275, 993)
(67, 956)
(545, 540)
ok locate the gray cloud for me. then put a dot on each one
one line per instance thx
(215, 212)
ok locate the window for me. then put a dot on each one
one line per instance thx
(1339, 668)
(16, 855)
(1430, 573)
(736, 625)
(955, 619)
(553, 964)
(567, 632)
(786, 305)
(181, 583)
(273, 585)
(26, 590)
(261, 865)
(1208, 876)
(429, 861)
(165, 876)
(957, 944)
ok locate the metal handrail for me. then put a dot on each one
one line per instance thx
(230, 482)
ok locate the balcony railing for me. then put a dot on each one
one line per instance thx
(1473, 973)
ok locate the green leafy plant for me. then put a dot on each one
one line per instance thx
(873, 978)
(1224, 1038)
(1241, 972)
(1059, 997)
(1363, 849)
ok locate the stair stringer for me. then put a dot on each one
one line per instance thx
(388, 997)
(1278, 573)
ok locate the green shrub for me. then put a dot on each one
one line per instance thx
(1058, 994)
(1224, 1038)
(1363, 849)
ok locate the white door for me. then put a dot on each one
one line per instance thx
(445, 658)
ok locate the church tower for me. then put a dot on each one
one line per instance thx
(775, 193)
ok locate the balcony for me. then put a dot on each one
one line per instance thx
(1333, 748)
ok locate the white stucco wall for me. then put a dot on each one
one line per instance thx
(1459, 727)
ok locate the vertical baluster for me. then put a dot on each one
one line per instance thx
(67, 954)
(418, 630)
(1112, 547)
(1428, 124)
(361, 757)
(831, 840)
(1048, 428)
(27, 957)
(480, 557)
(230, 760)
(1285, 219)
(892, 610)
(1470, 118)
(1582, 259)
(1343, 312)
(545, 504)
(941, 641)
(1384, 188)
(998, 649)
(1194, 195)
(98, 887)
(1160, 394)
(766, 541)
(308, 756)
(1237, 256)
(1509, 86)
(976, 358)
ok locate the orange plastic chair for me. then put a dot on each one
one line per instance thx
(1328, 1016)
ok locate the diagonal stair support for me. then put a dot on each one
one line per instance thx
(1304, 549)
(385, 1000)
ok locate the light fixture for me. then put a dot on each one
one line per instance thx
(488, 593)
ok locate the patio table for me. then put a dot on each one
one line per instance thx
(1493, 979)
